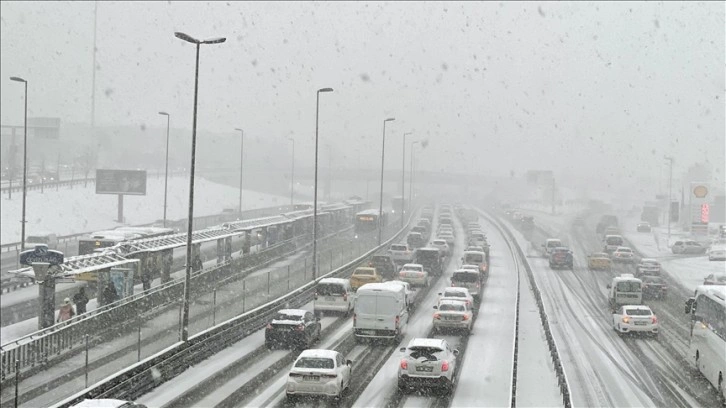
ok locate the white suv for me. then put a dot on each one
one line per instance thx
(427, 363)
(318, 372)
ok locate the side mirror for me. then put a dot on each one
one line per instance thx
(439, 293)
(456, 352)
(436, 307)
(349, 362)
(689, 305)
(402, 349)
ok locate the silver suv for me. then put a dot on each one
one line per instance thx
(427, 363)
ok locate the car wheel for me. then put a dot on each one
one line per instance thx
(402, 385)
(320, 328)
(290, 398)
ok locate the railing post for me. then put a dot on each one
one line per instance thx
(17, 376)
(288, 277)
(138, 351)
(268, 283)
(244, 294)
(86, 366)
(214, 307)
(331, 261)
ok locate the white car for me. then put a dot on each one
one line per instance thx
(107, 403)
(635, 319)
(400, 253)
(414, 274)
(623, 255)
(454, 314)
(318, 372)
(717, 253)
(454, 293)
(427, 363)
(442, 246)
(449, 238)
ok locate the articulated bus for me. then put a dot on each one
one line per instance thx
(708, 334)
(367, 221)
(107, 239)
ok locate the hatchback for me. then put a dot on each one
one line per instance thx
(318, 372)
(292, 327)
(427, 363)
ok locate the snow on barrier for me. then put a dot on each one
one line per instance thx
(551, 343)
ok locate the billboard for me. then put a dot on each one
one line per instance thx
(130, 182)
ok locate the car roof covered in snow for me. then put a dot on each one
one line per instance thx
(425, 342)
(318, 353)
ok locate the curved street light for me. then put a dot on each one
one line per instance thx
(166, 166)
(25, 160)
(315, 193)
(380, 204)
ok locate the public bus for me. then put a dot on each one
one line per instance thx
(106, 239)
(708, 334)
(367, 221)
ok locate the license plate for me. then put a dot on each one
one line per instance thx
(368, 332)
(426, 369)
(311, 378)
(330, 299)
(640, 323)
(451, 318)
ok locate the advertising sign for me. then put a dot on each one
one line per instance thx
(704, 213)
(130, 182)
(41, 254)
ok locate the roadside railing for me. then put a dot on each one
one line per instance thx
(145, 375)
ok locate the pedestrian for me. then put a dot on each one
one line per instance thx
(146, 281)
(80, 299)
(109, 294)
(66, 311)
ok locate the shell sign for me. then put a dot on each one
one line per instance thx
(700, 191)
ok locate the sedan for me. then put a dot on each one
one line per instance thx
(623, 255)
(453, 293)
(318, 372)
(648, 266)
(442, 246)
(427, 363)
(643, 227)
(717, 253)
(688, 247)
(449, 238)
(599, 261)
(635, 319)
(453, 314)
(715, 279)
(654, 287)
(361, 276)
(414, 274)
(292, 327)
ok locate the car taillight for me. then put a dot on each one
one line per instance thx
(316, 295)
(295, 375)
(404, 364)
(465, 317)
(398, 320)
(300, 327)
(626, 319)
(328, 375)
(444, 366)
(355, 317)
(269, 326)
(654, 320)
(345, 297)
(437, 316)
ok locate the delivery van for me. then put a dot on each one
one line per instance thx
(381, 312)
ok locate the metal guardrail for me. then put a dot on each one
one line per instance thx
(551, 343)
(18, 187)
(141, 377)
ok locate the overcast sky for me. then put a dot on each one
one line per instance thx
(594, 89)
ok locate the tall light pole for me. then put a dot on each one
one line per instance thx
(292, 173)
(330, 183)
(403, 178)
(241, 160)
(380, 203)
(315, 194)
(166, 165)
(670, 187)
(410, 177)
(25, 160)
(188, 275)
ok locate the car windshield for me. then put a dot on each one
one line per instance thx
(473, 258)
(614, 241)
(285, 316)
(455, 294)
(328, 289)
(637, 312)
(412, 268)
(366, 271)
(398, 247)
(37, 239)
(315, 362)
(452, 307)
(427, 353)
(628, 286)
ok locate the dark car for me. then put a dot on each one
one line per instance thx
(384, 265)
(643, 227)
(654, 287)
(561, 257)
(292, 328)
(415, 240)
(430, 259)
(527, 223)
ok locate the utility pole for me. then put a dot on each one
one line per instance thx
(670, 189)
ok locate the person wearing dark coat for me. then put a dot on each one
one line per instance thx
(80, 299)
(109, 294)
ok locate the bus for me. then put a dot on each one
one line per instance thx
(367, 221)
(106, 239)
(708, 334)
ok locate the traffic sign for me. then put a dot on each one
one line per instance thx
(41, 254)
(705, 211)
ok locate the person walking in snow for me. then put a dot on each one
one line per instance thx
(80, 299)
(66, 311)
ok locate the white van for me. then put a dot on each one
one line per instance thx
(41, 238)
(625, 289)
(334, 295)
(381, 312)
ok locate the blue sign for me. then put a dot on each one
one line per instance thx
(41, 254)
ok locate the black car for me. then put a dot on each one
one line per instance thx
(527, 223)
(430, 259)
(384, 265)
(292, 328)
(654, 287)
(561, 257)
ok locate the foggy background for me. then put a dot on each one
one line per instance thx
(598, 93)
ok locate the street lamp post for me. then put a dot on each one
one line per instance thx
(410, 177)
(292, 175)
(670, 190)
(25, 160)
(315, 193)
(403, 178)
(241, 159)
(188, 275)
(380, 203)
(330, 182)
(166, 165)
